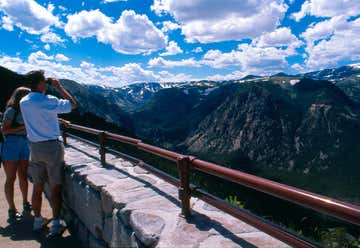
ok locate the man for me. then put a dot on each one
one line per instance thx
(40, 114)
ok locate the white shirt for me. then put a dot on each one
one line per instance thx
(40, 114)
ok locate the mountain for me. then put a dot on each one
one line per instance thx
(346, 78)
(9, 81)
(288, 129)
(298, 129)
(335, 73)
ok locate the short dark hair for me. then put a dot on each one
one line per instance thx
(33, 78)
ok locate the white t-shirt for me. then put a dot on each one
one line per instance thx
(40, 114)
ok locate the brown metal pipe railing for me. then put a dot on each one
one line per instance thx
(341, 210)
(84, 129)
(173, 156)
(326, 205)
(122, 138)
(257, 222)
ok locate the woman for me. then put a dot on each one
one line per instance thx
(15, 152)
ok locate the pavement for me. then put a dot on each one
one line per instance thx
(20, 235)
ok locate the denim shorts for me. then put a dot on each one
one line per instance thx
(15, 147)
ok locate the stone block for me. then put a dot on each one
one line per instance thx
(96, 243)
(98, 181)
(158, 203)
(147, 227)
(82, 233)
(109, 192)
(139, 170)
(115, 233)
(88, 208)
(120, 200)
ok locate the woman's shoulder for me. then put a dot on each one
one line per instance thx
(9, 110)
(9, 113)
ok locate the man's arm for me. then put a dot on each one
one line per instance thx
(56, 84)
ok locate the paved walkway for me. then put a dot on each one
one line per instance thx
(20, 235)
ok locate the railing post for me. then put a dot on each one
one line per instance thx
(183, 165)
(102, 137)
(64, 135)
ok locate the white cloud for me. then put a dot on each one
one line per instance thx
(40, 56)
(160, 6)
(254, 58)
(324, 29)
(50, 7)
(161, 62)
(169, 26)
(61, 57)
(231, 76)
(113, 1)
(297, 67)
(170, 77)
(332, 41)
(85, 65)
(47, 47)
(51, 38)
(281, 37)
(86, 24)
(213, 21)
(250, 58)
(89, 73)
(172, 49)
(197, 50)
(28, 15)
(7, 23)
(130, 34)
(131, 72)
(37, 56)
(62, 8)
(326, 8)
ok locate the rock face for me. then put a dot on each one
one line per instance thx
(308, 126)
(119, 206)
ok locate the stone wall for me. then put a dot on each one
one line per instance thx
(121, 205)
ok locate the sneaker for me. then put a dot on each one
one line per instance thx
(13, 215)
(56, 229)
(26, 208)
(39, 223)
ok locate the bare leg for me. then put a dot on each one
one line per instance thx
(56, 201)
(37, 199)
(23, 182)
(10, 168)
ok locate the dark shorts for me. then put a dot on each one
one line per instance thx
(47, 162)
(15, 147)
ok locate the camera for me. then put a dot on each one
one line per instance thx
(49, 81)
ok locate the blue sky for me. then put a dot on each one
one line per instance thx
(115, 42)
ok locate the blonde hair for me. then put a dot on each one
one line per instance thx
(16, 96)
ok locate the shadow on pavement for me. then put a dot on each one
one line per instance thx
(22, 230)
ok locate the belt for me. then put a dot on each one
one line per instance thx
(17, 135)
(43, 141)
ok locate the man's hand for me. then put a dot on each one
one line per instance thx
(55, 83)
(64, 122)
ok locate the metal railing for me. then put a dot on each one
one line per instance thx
(185, 164)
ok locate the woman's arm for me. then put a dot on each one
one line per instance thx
(8, 129)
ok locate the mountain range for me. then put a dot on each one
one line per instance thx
(300, 129)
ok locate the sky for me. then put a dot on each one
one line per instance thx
(119, 42)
